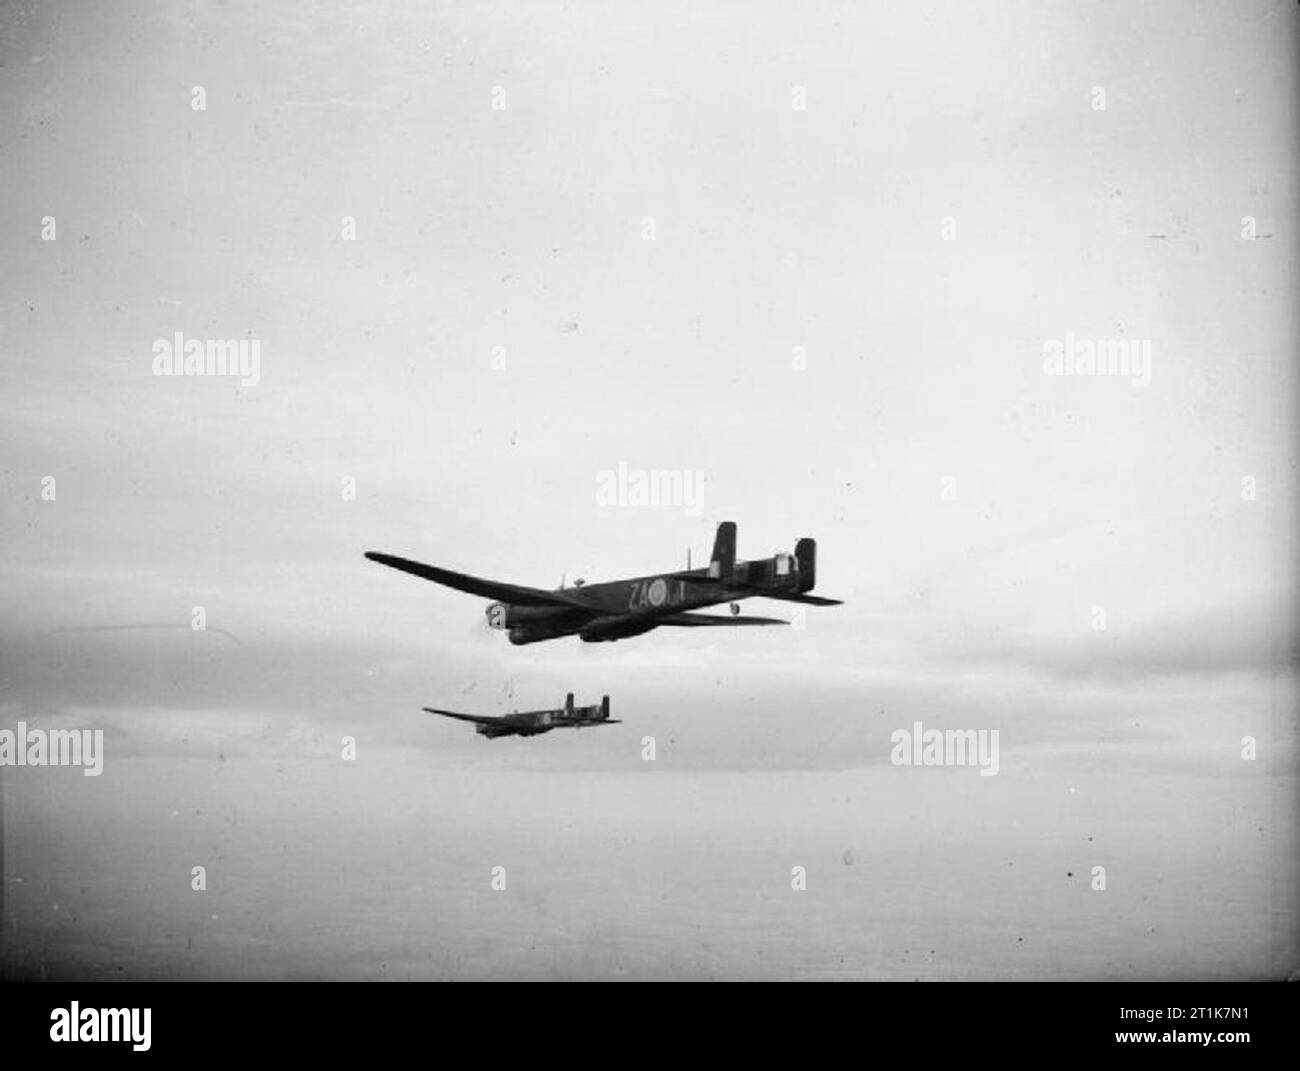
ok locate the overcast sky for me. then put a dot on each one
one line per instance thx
(906, 201)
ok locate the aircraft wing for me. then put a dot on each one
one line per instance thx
(689, 620)
(477, 719)
(473, 585)
(811, 600)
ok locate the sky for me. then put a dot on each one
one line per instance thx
(490, 252)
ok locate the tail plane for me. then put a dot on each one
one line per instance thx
(805, 553)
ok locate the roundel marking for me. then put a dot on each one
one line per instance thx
(658, 591)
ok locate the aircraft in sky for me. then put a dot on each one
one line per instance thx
(618, 609)
(532, 722)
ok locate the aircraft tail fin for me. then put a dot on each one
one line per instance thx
(568, 703)
(805, 552)
(723, 560)
(604, 708)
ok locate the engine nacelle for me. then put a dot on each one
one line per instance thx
(536, 631)
(607, 629)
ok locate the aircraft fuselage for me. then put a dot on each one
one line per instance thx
(534, 722)
(633, 606)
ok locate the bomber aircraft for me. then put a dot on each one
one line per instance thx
(532, 722)
(617, 609)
